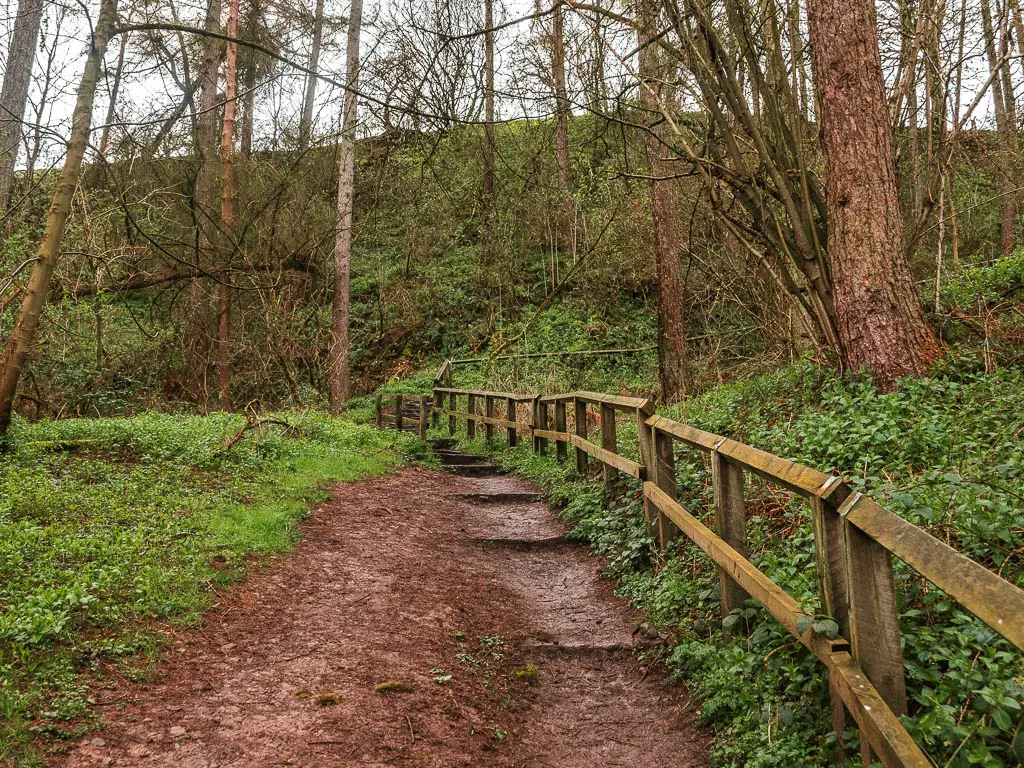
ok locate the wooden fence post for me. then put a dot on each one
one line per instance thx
(580, 417)
(665, 468)
(540, 444)
(512, 415)
(561, 447)
(438, 402)
(608, 442)
(874, 620)
(489, 413)
(731, 521)
(830, 557)
(398, 412)
(470, 420)
(378, 407)
(424, 413)
(658, 457)
(451, 418)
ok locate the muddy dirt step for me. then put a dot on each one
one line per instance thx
(501, 498)
(442, 443)
(521, 544)
(457, 457)
(472, 470)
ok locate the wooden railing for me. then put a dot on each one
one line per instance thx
(855, 540)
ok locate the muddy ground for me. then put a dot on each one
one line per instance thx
(500, 645)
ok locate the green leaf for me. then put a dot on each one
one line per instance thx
(804, 623)
(827, 627)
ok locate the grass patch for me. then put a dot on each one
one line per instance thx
(111, 529)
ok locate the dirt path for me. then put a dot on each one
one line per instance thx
(517, 654)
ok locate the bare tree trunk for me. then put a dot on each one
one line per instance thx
(655, 98)
(306, 123)
(248, 108)
(14, 97)
(23, 336)
(565, 205)
(227, 209)
(879, 316)
(339, 352)
(488, 154)
(205, 199)
(1008, 238)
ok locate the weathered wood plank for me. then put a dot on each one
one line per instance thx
(789, 474)
(874, 618)
(992, 599)
(552, 434)
(498, 422)
(424, 414)
(511, 410)
(452, 411)
(489, 414)
(731, 521)
(562, 440)
(878, 724)
(540, 421)
(580, 417)
(616, 401)
(608, 443)
(621, 463)
(519, 397)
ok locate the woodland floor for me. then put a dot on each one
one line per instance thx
(403, 578)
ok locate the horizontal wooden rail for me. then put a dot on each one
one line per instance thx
(855, 540)
(991, 598)
(878, 722)
(621, 463)
(484, 393)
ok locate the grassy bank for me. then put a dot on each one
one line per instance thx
(946, 453)
(114, 530)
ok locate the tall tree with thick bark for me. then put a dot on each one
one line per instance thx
(338, 380)
(878, 313)
(14, 96)
(20, 342)
(656, 97)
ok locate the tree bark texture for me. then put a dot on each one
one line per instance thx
(879, 316)
(655, 97)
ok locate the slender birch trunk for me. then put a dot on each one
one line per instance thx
(306, 123)
(339, 351)
(23, 336)
(227, 209)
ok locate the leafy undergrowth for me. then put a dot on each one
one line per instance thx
(114, 530)
(945, 452)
